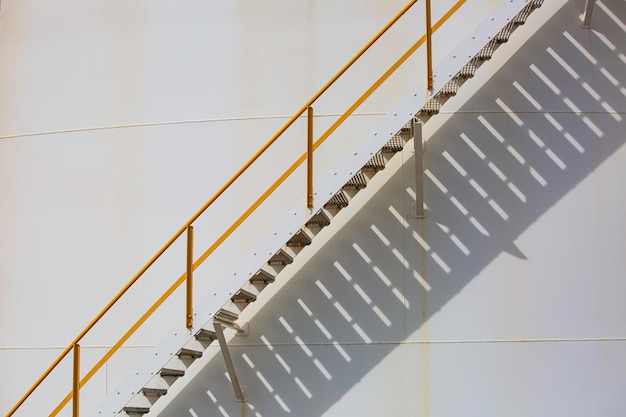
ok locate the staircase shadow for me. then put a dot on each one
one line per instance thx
(490, 175)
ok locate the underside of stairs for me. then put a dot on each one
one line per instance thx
(171, 359)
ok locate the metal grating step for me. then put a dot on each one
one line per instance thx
(262, 277)
(487, 51)
(280, 258)
(357, 182)
(189, 353)
(375, 164)
(469, 69)
(451, 87)
(154, 392)
(432, 107)
(243, 297)
(396, 144)
(299, 240)
(226, 316)
(136, 410)
(338, 201)
(172, 372)
(319, 219)
(522, 16)
(505, 33)
(205, 335)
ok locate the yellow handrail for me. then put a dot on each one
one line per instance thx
(245, 215)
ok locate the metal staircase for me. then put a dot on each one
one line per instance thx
(261, 267)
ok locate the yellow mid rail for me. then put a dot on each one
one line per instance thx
(74, 346)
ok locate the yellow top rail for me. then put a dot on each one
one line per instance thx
(245, 215)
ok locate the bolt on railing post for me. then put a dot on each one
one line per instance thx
(189, 279)
(76, 381)
(309, 152)
(429, 48)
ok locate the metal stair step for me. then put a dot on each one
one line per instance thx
(280, 258)
(469, 69)
(486, 52)
(172, 372)
(319, 219)
(522, 16)
(395, 144)
(205, 335)
(154, 392)
(262, 277)
(338, 201)
(226, 316)
(357, 182)
(432, 107)
(136, 410)
(451, 87)
(504, 35)
(376, 163)
(189, 353)
(243, 296)
(300, 239)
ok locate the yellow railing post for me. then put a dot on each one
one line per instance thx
(429, 47)
(189, 303)
(76, 381)
(309, 158)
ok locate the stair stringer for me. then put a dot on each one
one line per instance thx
(299, 214)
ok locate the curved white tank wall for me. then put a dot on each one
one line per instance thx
(118, 120)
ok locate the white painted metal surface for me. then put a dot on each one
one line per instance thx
(530, 318)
